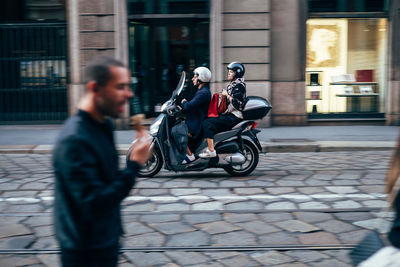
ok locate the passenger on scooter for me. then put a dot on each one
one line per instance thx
(236, 96)
(196, 109)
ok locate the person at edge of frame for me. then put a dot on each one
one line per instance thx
(89, 187)
(196, 109)
(388, 255)
(394, 197)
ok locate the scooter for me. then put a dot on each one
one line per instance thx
(237, 149)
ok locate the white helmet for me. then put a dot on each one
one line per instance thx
(203, 73)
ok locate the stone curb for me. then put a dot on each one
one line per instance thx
(327, 146)
(267, 147)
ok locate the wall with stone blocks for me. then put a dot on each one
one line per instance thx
(246, 36)
(96, 28)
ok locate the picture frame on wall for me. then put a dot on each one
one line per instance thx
(323, 45)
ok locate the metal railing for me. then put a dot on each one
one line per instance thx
(33, 72)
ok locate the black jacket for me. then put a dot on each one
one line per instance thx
(196, 110)
(237, 89)
(89, 187)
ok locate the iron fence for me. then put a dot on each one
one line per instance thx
(33, 72)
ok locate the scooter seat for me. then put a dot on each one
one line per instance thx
(223, 135)
(218, 138)
(239, 125)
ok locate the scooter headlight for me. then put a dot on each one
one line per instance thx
(164, 106)
(156, 125)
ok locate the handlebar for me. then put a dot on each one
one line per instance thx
(172, 110)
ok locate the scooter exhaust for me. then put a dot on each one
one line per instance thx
(233, 159)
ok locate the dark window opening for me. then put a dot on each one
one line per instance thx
(136, 8)
(347, 5)
(167, 7)
(185, 7)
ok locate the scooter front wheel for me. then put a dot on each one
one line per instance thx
(153, 164)
(250, 151)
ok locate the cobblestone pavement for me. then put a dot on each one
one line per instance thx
(280, 215)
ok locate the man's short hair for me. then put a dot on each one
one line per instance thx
(98, 69)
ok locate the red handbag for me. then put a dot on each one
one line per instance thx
(213, 107)
(223, 104)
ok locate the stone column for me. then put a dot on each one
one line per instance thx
(95, 28)
(121, 48)
(288, 41)
(121, 31)
(393, 93)
(75, 87)
(216, 51)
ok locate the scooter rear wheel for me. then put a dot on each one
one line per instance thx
(251, 153)
(153, 164)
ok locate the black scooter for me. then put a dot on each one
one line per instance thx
(237, 149)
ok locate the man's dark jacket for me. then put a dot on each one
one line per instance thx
(196, 110)
(89, 187)
(394, 234)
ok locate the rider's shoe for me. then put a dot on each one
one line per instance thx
(208, 154)
(188, 159)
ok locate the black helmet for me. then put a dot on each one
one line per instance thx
(238, 68)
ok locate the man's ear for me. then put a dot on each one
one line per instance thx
(92, 87)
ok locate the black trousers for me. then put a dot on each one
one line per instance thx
(193, 143)
(104, 257)
(223, 122)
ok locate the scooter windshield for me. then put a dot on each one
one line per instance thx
(181, 84)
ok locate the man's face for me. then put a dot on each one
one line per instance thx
(231, 75)
(111, 99)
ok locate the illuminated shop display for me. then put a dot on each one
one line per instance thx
(346, 65)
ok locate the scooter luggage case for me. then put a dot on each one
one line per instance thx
(256, 108)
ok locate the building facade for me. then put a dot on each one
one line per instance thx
(316, 61)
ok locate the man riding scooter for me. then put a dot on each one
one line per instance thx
(196, 110)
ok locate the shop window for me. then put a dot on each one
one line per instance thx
(346, 65)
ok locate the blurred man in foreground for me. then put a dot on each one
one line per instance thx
(89, 186)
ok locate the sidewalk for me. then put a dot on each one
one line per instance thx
(40, 138)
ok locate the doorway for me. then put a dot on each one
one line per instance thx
(160, 49)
